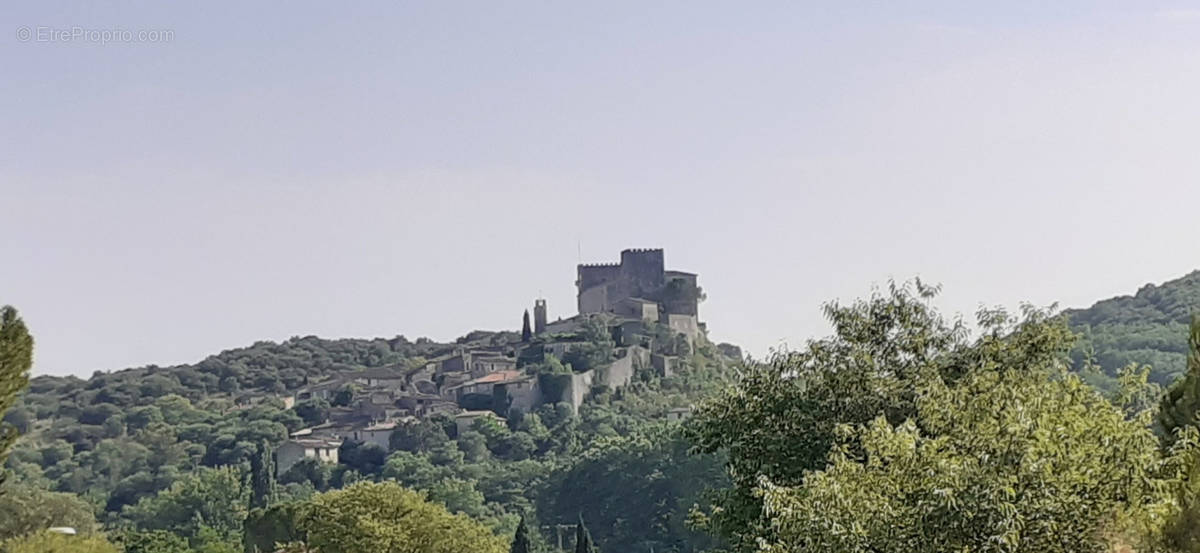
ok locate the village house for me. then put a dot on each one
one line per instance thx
(293, 451)
(379, 433)
(390, 377)
(483, 384)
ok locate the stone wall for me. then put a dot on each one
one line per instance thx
(523, 395)
(578, 387)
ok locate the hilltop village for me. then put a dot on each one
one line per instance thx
(633, 315)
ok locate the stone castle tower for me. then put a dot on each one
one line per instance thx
(641, 274)
(539, 316)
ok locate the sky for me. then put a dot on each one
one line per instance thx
(429, 168)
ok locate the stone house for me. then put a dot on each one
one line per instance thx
(523, 393)
(293, 451)
(483, 384)
(391, 377)
(379, 433)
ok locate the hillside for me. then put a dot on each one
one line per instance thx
(129, 441)
(1149, 327)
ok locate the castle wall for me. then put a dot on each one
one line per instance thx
(684, 324)
(640, 274)
(620, 372)
(638, 308)
(663, 364)
(591, 275)
(524, 395)
(578, 387)
(594, 300)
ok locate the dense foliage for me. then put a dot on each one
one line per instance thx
(899, 433)
(1148, 328)
(1181, 404)
(47, 542)
(16, 357)
(387, 517)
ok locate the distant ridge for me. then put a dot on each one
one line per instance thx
(1149, 328)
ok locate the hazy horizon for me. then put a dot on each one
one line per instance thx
(428, 169)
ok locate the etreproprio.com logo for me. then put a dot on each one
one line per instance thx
(115, 35)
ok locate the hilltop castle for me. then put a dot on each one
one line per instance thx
(633, 316)
(641, 286)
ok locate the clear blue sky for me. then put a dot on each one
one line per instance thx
(426, 169)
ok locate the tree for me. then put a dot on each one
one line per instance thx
(417, 436)
(211, 497)
(343, 396)
(637, 490)
(583, 538)
(385, 516)
(16, 357)
(278, 524)
(782, 419)
(313, 411)
(153, 541)
(1000, 461)
(26, 510)
(1179, 407)
(526, 331)
(262, 478)
(49, 542)
(520, 543)
(308, 470)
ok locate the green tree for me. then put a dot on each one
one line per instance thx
(1002, 461)
(637, 490)
(1181, 532)
(212, 498)
(16, 357)
(526, 331)
(27, 510)
(264, 528)
(48, 542)
(308, 470)
(520, 543)
(1179, 407)
(153, 541)
(781, 419)
(262, 478)
(417, 436)
(313, 411)
(387, 517)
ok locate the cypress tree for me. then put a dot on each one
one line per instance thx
(262, 478)
(520, 543)
(1181, 403)
(583, 539)
(16, 357)
(526, 332)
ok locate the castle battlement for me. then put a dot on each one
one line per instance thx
(641, 273)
